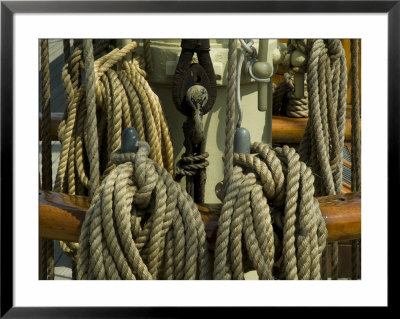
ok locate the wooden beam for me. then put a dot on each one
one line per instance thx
(61, 216)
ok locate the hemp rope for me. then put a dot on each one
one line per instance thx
(274, 176)
(122, 98)
(355, 150)
(193, 163)
(93, 143)
(147, 55)
(247, 188)
(230, 114)
(142, 225)
(46, 245)
(323, 140)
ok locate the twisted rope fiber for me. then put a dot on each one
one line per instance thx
(93, 151)
(323, 140)
(192, 164)
(142, 225)
(46, 246)
(249, 182)
(120, 95)
(147, 55)
(221, 265)
(187, 166)
(230, 114)
(356, 149)
(259, 179)
(112, 97)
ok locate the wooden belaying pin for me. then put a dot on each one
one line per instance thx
(129, 140)
(241, 142)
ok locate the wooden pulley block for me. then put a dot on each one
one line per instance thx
(196, 75)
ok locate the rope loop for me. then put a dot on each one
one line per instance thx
(270, 212)
(142, 225)
(189, 165)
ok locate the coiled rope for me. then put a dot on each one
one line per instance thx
(113, 95)
(142, 225)
(323, 139)
(251, 183)
(274, 176)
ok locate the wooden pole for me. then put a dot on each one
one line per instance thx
(61, 216)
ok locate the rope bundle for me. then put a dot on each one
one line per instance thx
(285, 101)
(270, 177)
(142, 225)
(323, 140)
(122, 98)
(113, 95)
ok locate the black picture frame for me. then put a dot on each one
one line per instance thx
(9, 8)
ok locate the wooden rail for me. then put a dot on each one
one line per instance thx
(61, 216)
(284, 129)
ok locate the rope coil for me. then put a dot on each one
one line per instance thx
(270, 177)
(113, 95)
(142, 225)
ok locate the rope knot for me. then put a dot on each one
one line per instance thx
(144, 172)
(188, 165)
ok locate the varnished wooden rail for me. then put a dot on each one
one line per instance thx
(61, 216)
(284, 129)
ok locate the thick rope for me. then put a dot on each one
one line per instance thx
(93, 143)
(230, 114)
(270, 176)
(147, 56)
(46, 246)
(114, 95)
(323, 140)
(121, 97)
(142, 225)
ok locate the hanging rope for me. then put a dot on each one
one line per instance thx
(142, 225)
(323, 140)
(46, 245)
(114, 95)
(123, 97)
(230, 114)
(147, 56)
(270, 177)
(93, 143)
(355, 149)
(251, 181)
